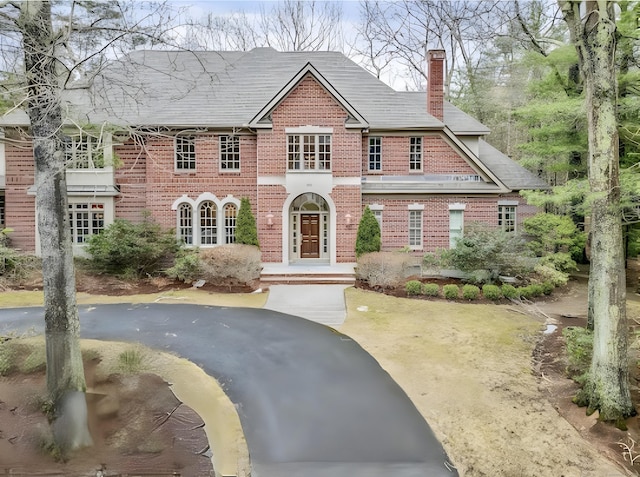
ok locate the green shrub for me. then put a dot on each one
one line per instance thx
(451, 292)
(579, 346)
(129, 249)
(187, 267)
(509, 291)
(246, 228)
(487, 253)
(368, 237)
(491, 292)
(232, 264)
(554, 233)
(547, 288)
(531, 291)
(470, 292)
(549, 274)
(560, 261)
(130, 361)
(431, 289)
(383, 269)
(413, 287)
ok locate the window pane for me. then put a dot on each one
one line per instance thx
(375, 153)
(309, 151)
(456, 224)
(230, 213)
(415, 154)
(230, 152)
(294, 152)
(208, 228)
(185, 224)
(185, 152)
(507, 218)
(415, 228)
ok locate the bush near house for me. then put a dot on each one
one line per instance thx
(246, 228)
(486, 253)
(470, 292)
(232, 265)
(130, 250)
(187, 267)
(509, 291)
(451, 292)
(491, 292)
(368, 238)
(431, 289)
(383, 269)
(413, 287)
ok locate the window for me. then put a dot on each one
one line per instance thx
(507, 217)
(309, 152)
(230, 214)
(415, 229)
(208, 223)
(375, 153)
(230, 153)
(185, 153)
(2, 210)
(456, 226)
(85, 219)
(378, 215)
(185, 224)
(415, 154)
(83, 152)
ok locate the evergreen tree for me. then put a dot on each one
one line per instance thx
(368, 239)
(246, 229)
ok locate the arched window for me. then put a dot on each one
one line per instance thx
(185, 224)
(208, 225)
(230, 214)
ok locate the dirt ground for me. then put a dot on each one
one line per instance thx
(485, 377)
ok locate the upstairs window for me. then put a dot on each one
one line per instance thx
(230, 153)
(309, 152)
(83, 152)
(375, 153)
(415, 154)
(185, 153)
(507, 217)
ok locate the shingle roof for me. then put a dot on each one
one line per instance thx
(512, 174)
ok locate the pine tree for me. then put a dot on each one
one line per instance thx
(246, 229)
(368, 239)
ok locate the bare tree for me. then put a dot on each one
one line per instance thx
(592, 26)
(58, 49)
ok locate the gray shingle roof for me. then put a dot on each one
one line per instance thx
(512, 174)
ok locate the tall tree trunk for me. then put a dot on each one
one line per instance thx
(65, 373)
(594, 36)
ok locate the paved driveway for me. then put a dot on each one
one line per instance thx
(312, 402)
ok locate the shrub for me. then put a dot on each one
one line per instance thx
(554, 233)
(560, 261)
(383, 269)
(431, 289)
(413, 287)
(491, 251)
(531, 291)
(491, 292)
(129, 249)
(232, 264)
(547, 288)
(187, 267)
(509, 291)
(549, 274)
(368, 238)
(579, 345)
(246, 228)
(470, 292)
(451, 292)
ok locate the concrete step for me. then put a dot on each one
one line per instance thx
(307, 279)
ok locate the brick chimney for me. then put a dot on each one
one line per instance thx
(435, 83)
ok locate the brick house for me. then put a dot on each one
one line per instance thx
(309, 137)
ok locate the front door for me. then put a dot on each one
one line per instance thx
(310, 236)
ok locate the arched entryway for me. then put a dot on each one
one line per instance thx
(309, 228)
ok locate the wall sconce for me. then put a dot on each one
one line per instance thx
(347, 218)
(269, 217)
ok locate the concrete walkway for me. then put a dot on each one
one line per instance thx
(320, 303)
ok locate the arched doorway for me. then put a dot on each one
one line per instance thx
(309, 228)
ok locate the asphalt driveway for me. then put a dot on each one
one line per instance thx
(311, 401)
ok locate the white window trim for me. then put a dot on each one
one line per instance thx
(421, 154)
(183, 170)
(456, 209)
(103, 143)
(316, 162)
(379, 138)
(195, 204)
(308, 130)
(235, 138)
(421, 236)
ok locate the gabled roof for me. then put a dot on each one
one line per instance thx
(512, 174)
(261, 119)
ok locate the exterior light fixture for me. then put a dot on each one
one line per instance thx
(269, 217)
(347, 218)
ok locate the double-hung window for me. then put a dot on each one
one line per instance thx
(83, 152)
(230, 153)
(309, 152)
(375, 153)
(507, 217)
(415, 229)
(185, 153)
(415, 154)
(85, 219)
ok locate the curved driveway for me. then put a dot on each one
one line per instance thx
(312, 402)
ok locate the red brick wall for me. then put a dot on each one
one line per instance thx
(435, 217)
(20, 207)
(438, 157)
(435, 87)
(348, 200)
